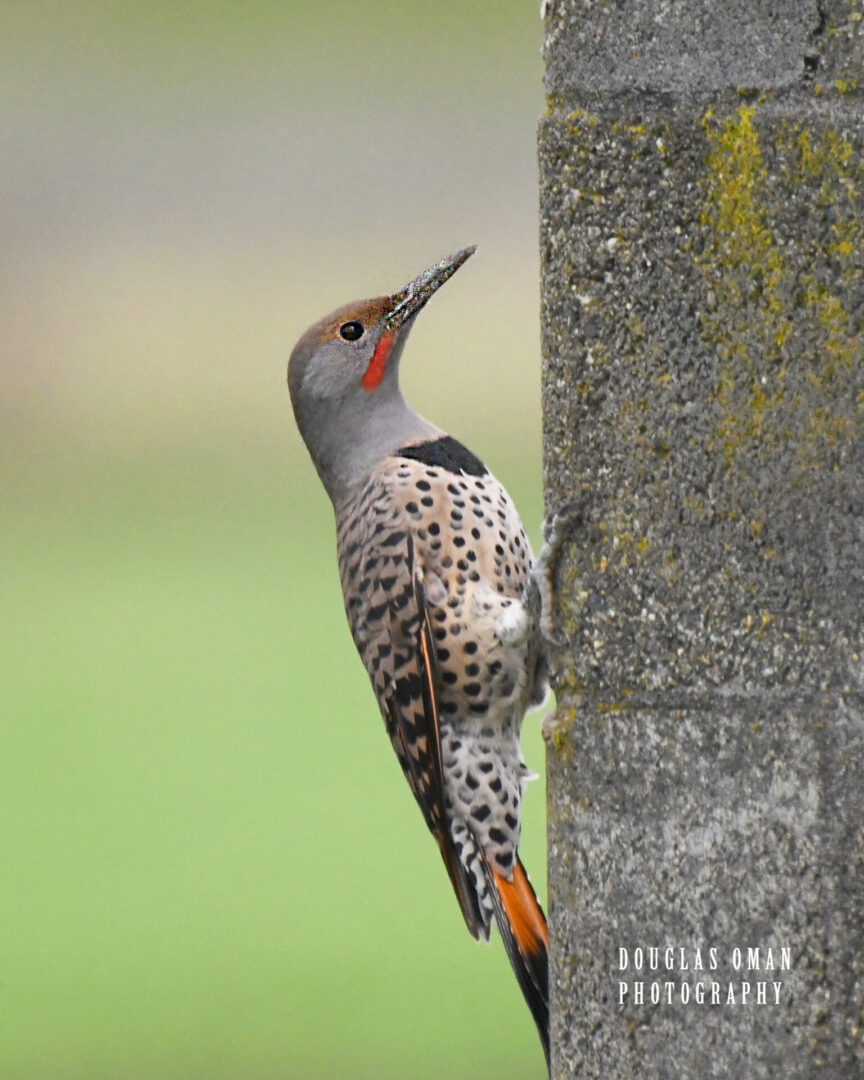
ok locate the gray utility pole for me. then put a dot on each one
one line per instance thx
(702, 234)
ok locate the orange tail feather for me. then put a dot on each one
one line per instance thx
(524, 913)
(522, 925)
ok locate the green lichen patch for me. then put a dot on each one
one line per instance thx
(790, 349)
(556, 732)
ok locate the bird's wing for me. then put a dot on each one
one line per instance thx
(382, 579)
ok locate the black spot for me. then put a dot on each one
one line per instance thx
(495, 667)
(449, 676)
(443, 654)
(486, 766)
(427, 500)
(470, 647)
(434, 528)
(447, 453)
(472, 689)
(471, 780)
(462, 564)
(505, 859)
(472, 670)
(449, 707)
(495, 785)
(423, 485)
(412, 508)
(475, 533)
(459, 541)
(480, 708)
(393, 539)
(511, 821)
(497, 836)
(480, 813)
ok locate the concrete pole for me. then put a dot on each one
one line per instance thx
(702, 234)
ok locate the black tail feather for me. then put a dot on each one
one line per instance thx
(526, 947)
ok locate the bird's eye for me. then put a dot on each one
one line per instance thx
(351, 331)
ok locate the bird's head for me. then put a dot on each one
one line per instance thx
(343, 376)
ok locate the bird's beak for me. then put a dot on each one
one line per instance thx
(408, 301)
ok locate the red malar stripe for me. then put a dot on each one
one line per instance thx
(378, 364)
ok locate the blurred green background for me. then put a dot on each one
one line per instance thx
(211, 865)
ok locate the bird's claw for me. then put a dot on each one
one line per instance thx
(556, 527)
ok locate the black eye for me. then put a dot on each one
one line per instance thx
(351, 331)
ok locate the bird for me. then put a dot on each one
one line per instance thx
(444, 602)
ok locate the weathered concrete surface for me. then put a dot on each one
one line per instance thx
(702, 235)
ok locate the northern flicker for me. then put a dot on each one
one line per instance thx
(436, 573)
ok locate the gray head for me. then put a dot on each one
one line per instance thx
(344, 381)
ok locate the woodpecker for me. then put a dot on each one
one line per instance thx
(444, 605)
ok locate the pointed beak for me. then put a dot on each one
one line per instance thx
(408, 301)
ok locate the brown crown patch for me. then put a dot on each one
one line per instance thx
(366, 311)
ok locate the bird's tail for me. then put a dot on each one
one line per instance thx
(522, 926)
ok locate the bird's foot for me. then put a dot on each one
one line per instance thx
(556, 528)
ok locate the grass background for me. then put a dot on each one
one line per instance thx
(212, 866)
